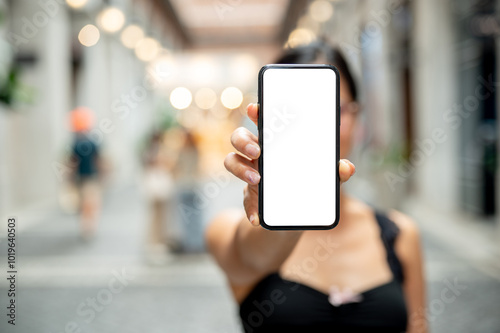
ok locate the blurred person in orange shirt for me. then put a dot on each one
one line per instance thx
(85, 156)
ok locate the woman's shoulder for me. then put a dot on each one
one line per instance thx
(408, 235)
(358, 209)
(407, 226)
(407, 245)
(403, 222)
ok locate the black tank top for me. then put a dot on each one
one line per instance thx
(279, 305)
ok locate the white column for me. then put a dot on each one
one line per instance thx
(434, 73)
(4, 179)
(55, 59)
(4, 63)
(36, 131)
(112, 86)
(497, 189)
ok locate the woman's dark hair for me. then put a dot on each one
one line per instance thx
(312, 52)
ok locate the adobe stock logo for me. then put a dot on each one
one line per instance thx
(265, 308)
(222, 7)
(301, 273)
(30, 27)
(453, 118)
(448, 295)
(89, 309)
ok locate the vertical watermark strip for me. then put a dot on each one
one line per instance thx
(11, 270)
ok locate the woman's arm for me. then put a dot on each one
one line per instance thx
(245, 252)
(243, 249)
(410, 254)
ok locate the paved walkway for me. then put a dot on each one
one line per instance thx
(106, 286)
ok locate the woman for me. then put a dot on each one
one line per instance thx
(158, 187)
(363, 276)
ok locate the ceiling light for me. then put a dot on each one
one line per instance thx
(321, 10)
(180, 98)
(131, 36)
(76, 4)
(147, 49)
(231, 97)
(111, 19)
(244, 69)
(205, 98)
(89, 35)
(300, 36)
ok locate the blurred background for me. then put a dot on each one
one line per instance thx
(115, 117)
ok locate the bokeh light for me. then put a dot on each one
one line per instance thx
(220, 113)
(181, 98)
(111, 19)
(203, 69)
(89, 35)
(300, 36)
(131, 36)
(205, 98)
(307, 22)
(231, 97)
(76, 4)
(162, 67)
(321, 10)
(191, 119)
(249, 97)
(244, 69)
(147, 49)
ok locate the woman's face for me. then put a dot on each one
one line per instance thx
(348, 117)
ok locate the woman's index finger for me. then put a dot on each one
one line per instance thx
(253, 112)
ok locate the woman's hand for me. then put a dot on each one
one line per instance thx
(244, 165)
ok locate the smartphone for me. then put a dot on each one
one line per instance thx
(299, 122)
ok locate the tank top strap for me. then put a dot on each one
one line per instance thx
(388, 233)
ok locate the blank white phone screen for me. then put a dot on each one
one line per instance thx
(299, 147)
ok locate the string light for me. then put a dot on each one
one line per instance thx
(181, 98)
(89, 35)
(321, 10)
(131, 36)
(76, 4)
(111, 19)
(231, 98)
(147, 49)
(205, 98)
(300, 36)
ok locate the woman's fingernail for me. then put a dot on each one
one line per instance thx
(252, 150)
(345, 165)
(353, 168)
(248, 106)
(254, 219)
(253, 177)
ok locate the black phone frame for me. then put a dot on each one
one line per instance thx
(261, 144)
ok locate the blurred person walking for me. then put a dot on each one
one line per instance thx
(85, 156)
(159, 189)
(190, 206)
(365, 275)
